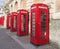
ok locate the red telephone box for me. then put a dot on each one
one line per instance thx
(39, 24)
(8, 21)
(13, 21)
(2, 20)
(22, 22)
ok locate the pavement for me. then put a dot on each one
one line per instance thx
(10, 40)
(6, 42)
(55, 32)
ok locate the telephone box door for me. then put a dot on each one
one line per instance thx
(13, 21)
(44, 25)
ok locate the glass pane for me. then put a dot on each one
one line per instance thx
(9, 21)
(43, 24)
(23, 22)
(33, 24)
(15, 21)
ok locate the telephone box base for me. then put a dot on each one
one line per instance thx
(8, 28)
(38, 44)
(13, 30)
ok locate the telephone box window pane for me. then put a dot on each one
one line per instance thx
(43, 18)
(33, 19)
(15, 21)
(9, 21)
(43, 24)
(43, 13)
(23, 22)
(33, 24)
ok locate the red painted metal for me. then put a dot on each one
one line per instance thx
(2, 20)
